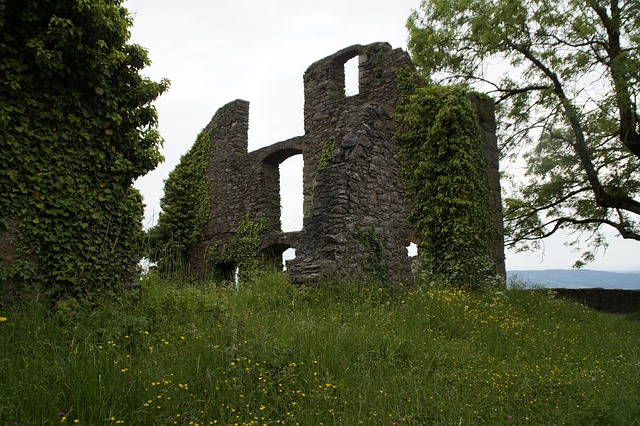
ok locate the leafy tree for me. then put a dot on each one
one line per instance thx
(76, 129)
(564, 75)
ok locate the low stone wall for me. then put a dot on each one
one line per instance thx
(605, 300)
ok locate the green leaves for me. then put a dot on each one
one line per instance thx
(73, 138)
(565, 76)
(446, 178)
(185, 207)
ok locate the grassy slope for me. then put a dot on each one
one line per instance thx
(270, 354)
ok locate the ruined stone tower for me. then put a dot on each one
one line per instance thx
(355, 211)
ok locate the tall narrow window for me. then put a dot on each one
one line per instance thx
(352, 77)
(291, 194)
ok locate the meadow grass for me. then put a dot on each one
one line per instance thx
(338, 354)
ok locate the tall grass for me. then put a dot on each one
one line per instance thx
(342, 353)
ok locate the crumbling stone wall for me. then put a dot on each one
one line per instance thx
(241, 182)
(355, 207)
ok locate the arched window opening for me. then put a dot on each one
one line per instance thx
(352, 76)
(288, 254)
(291, 194)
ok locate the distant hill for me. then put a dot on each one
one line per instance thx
(576, 278)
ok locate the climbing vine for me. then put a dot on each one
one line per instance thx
(328, 149)
(375, 245)
(242, 251)
(186, 206)
(445, 174)
(77, 127)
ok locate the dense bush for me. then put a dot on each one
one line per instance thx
(76, 129)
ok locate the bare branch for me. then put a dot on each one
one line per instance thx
(558, 224)
(507, 93)
(537, 210)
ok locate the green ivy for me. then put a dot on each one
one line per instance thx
(77, 127)
(186, 206)
(242, 251)
(328, 150)
(375, 246)
(445, 173)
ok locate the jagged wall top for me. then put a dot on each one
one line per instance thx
(324, 81)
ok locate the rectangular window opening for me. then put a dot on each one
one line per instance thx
(291, 194)
(352, 76)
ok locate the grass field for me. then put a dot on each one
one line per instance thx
(339, 354)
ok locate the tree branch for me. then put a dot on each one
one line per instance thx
(547, 206)
(603, 199)
(558, 223)
(629, 135)
(507, 93)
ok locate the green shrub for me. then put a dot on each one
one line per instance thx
(77, 127)
(185, 209)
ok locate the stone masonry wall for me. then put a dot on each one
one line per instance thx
(355, 209)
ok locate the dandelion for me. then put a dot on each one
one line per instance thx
(3, 319)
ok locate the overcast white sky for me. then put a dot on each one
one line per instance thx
(216, 51)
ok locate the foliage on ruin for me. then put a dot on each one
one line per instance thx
(77, 127)
(566, 79)
(186, 206)
(374, 245)
(242, 251)
(445, 174)
(328, 149)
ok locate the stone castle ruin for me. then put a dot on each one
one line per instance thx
(355, 206)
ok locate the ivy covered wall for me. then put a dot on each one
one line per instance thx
(77, 127)
(445, 167)
(186, 204)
